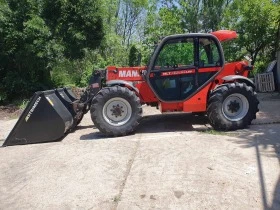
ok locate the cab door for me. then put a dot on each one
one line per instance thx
(210, 59)
(182, 65)
(173, 73)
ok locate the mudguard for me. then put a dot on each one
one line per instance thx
(122, 83)
(241, 79)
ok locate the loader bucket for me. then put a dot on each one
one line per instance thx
(67, 102)
(68, 99)
(46, 118)
(70, 94)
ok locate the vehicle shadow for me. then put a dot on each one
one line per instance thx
(160, 123)
(262, 137)
(172, 123)
(81, 127)
(259, 137)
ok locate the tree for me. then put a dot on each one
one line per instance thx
(256, 22)
(190, 15)
(77, 23)
(129, 16)
(34, 35)
(212, 14)
(24, 49)
(133, 56)
(163, 18)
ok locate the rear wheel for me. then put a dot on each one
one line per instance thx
(232, 106)
(116, 111)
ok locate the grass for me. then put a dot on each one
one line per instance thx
(116, 198)
(215, 132)
(21, 103)
(24, 103)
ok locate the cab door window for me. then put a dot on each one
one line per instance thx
(209, 60)
(208, 53)
(170, 78)
(176, 54)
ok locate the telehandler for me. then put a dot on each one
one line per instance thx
(186, 73)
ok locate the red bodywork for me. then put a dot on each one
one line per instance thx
(197, 102)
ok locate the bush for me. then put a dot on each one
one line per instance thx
(78, 72)
(36, 37)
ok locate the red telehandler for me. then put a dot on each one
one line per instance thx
(186, 73)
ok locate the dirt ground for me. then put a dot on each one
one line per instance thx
(9, 112)
(173, 161)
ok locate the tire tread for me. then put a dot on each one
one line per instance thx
(216, 98)
(97, 108)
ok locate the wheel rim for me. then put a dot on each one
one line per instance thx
(117, 111)
(235, 107)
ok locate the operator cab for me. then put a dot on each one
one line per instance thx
(182, 64)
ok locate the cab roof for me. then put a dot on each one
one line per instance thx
(225, 35)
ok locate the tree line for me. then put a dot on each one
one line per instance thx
(46, 44)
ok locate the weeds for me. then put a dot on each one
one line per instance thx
(20, 103)
(116, 198)
(215, 132)
(24, 103)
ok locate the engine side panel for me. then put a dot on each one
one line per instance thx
(234, 68)
(124, 73)
(145, 93)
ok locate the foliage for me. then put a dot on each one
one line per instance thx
(129, 15)
(190, 13)
(254, 37)
(77, 73)
(23, 104)
(24, 49)
(46, 44)
(36, 35)
(212, 14)
(113, 51)
(78, 24)
(133, 56)
(176, 54)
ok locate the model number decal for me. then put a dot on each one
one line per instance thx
(177, 72)
(32, 109)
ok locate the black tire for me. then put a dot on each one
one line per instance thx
(103, 116)
(226, 113)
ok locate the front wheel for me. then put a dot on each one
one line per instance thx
(232, 106)
(116, 111)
